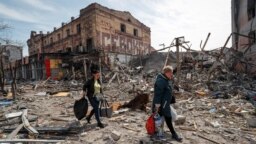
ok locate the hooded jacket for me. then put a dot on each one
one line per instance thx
(162, 95)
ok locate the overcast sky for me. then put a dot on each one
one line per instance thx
(166, 18)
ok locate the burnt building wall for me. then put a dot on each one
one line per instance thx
(244, 22)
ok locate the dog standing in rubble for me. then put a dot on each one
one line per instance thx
(163, 98)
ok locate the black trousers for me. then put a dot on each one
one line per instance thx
(95, 105)
(168, 121)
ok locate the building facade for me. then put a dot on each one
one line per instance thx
(98, 32)
(10, 54)
(96, 28)
(244, 33)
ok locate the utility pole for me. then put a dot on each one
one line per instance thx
(100, 56)
(178, 60)
(85, 69)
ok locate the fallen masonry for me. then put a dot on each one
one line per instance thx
(219, 110)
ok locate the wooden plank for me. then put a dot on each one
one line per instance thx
(62, 94)
(110, 81)
(48, 130)
(247, 129)
(15, 132)
(16, 120)
(201, 136)
(27, 124)
(118, 80)
(59, 119)
(29, 140)
(187, 128)
(12, 115)
(129, 128)
(43, 83)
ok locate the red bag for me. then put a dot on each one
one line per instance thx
(150, 125)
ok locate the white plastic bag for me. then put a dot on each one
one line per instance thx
(159, 125)
(173, 113)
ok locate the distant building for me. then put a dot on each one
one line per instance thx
(96, 28)
(244, 22)
(11, 53)
(98, 32)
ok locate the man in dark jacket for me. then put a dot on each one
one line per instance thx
(163, 98)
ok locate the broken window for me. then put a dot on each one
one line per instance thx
(58, 36)
(78, 28)
(135, 32)
(69, 49)
(68, 32)
(123, 28)
(251, 9)
(129, 20)
(89, 43)
(77, 49)
(252, 38)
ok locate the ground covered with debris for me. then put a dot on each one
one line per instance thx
(217, 109)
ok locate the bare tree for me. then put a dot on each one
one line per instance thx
(13, 70)
(3, 27)
(3, 63)
(2, 79)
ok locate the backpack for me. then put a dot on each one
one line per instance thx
(150, 125)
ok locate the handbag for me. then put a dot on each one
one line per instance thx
(150, 124)
(105, 109)
(98, 96)
(80, 108)
(173, 100)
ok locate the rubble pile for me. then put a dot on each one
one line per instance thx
(212, 108)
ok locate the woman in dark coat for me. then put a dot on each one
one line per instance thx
(163, 98)
(93, 88)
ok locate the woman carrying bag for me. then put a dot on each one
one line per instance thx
(163, 98)
(94, 92)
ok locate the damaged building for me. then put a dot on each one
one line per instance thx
(98, 29)
(10, 54)
(244, 30)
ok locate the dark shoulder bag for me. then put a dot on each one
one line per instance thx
(105, 110)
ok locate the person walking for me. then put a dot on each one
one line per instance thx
(93, 89)
(163, 98)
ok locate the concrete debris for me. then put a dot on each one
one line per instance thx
(41, 94)
(116, 135)
(12, 115)
(180, 120)
(84, 134)
(251, 122)
(213, 124)
(219, 105)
